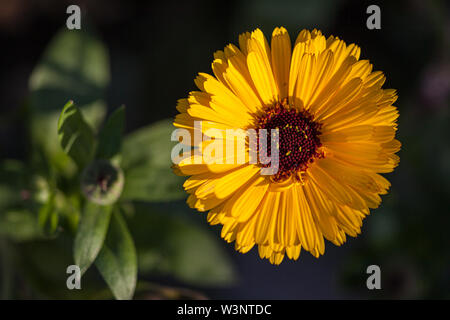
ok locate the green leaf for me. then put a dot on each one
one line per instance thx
(147, 183)
(74, 66)
(91, 234)
(117, 261)
(48, 217)
(75, 135)
(170, 243)
(147, 165)
(110, 137)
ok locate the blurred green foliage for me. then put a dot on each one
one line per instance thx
(65, 204)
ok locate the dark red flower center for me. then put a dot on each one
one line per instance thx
(298, 139)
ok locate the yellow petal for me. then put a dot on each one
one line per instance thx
(281, 59)
(261, 72)
(222, 187)
(243, 205)
(241, 87)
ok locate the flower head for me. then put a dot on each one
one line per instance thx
(335, 129)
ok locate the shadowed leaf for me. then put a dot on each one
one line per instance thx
(75, 135)
(169, 243)
(110, 137)
(147, 165)
(117, 261)
(91, 234)
(74, 66)
(48, 217)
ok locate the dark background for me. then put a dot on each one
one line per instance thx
(156, 50)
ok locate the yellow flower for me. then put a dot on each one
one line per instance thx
(336, 134)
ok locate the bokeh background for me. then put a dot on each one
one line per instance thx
(156, 48)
